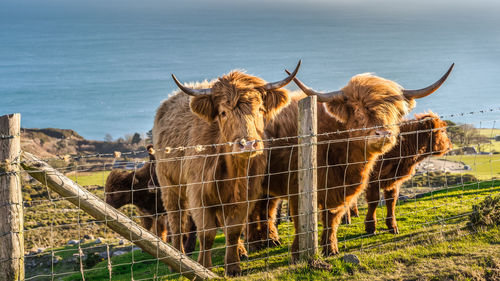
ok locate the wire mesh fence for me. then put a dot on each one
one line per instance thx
(231, 210)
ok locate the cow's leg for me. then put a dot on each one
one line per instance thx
(147, 223)
(242, 251)
(159, 227)
(253, 234)
(167, 227)
(190, 237)
(391, 197)
(233, 228)
(278, 213)
(372, 197)
(293, 205)
(163, 230)
(174, 205)
(331, 220)
(268, 229)
(354, 209)
(205, 220)
(346, 219)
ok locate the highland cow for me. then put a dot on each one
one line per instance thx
(132, 187)
(361, 118)
(219, 183)
(419, 138)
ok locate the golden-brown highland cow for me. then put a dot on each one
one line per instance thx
(419, 138)
(220, 183)
(362, 120)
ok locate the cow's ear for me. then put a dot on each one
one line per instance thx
(204, 107)
(274, 101)
(338, 109)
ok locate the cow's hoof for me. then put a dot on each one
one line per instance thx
(330, 251)
(275, 242)
(394, 230)
(242, 252)
(346, 220)
(233, 270)
(370, 228)
(243, 256)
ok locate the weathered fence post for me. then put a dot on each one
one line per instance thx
(114, 219)
(11, 200)
(308, 205)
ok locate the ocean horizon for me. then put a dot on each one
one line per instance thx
(103, 75)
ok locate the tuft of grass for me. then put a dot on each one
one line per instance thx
(486, 213)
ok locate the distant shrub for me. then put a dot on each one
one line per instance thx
(439, 179)
(485, 213)
(89, 261)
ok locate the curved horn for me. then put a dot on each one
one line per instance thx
(190, 91)
(417, 94)
(284, 82)
(322, 97)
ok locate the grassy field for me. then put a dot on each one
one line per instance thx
(432, 244)
(490, 133)
(90, 178)
(483, 166)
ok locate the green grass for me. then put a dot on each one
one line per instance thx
(483, 166)
(490, 133)
(431, 242)
(90, 178)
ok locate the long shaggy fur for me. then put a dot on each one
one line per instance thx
(238, 108)
(420, 138)
(346, 158)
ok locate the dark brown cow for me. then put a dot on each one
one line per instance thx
(419, 139)
(363, 115)
(221, 182)
(131, 187)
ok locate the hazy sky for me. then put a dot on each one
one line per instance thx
(384, 8)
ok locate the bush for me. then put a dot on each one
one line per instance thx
(485, 213)
(89, 261)
(439, 179)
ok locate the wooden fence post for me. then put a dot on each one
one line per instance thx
(307, 174)
(11, 200)
(114, 219)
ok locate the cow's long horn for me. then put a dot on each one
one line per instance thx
(190, 91)
(284, 82)
(417, 94)
(322, 97)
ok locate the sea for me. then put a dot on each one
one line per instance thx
(106, 72)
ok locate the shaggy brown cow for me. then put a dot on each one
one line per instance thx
(220, 183)
(362, 115)
(131, 187)
(419, 138)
